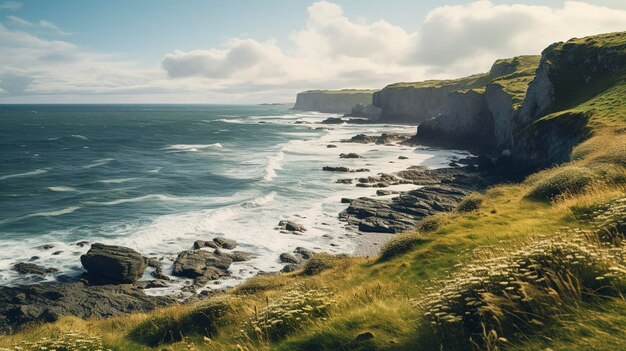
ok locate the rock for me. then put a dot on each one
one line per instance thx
(46, 247)
(336, 101)
(159, 274)
(289, 258)
(332, 120)
(305, 253)
(156, 284)
(290, 267)
(367, 335)
(384, 192)
(350, 155)
(201, 266)
(82, 243)
(291, 226)
(31, 268)
(330, 146)
(402, 158)
(236, 256)
(383, 139)
(34, 258)
(47, 302)
(345, 200)
(344, 181)
(56, 253)
(198, 244)
(361, 170)
(115, 264)
(225, 243)
(335, 169)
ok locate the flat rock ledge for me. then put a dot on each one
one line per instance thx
(47, 302)
(442, 190)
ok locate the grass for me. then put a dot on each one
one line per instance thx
(536, 265)
(470, 203)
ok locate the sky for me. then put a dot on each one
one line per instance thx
(235, 51)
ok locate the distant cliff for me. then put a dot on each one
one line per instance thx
(332, 101)
(418, 101)
(535, 117)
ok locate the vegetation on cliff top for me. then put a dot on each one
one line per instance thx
(513, 74)
(539, 264)
(342, 91)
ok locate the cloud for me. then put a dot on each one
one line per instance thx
(454, 34)
(10, 5)
(42, 25)
(334, 51)
(239, 58)
(15, 83)
(329, 50)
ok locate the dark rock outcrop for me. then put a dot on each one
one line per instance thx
(291, 226)
(443, 190)
(383, 139)
(48, 301)
(202, 266)
(113, 264)
(31, 268)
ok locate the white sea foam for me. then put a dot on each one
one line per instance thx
(193, 147)
(97, 163)
(78, 136)
(116, 180)
(152, 197)
(272, 165)
(61, 212)
(26, 174)
(62, 188)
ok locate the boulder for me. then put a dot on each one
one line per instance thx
(289, 258)
(335, 169)
(202, 265)
(292, 226)
(225, 243)
(331, 146)
(350, 155)
(114, 264)
(332, 120)
(305, 253)
(344, 181)
(31, 268)
(198, 244)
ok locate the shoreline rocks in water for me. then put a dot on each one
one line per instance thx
(443, 189)
(383, 139)
(114, 264)
(31, 268)
(202, 266)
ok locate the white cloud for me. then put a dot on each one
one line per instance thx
(459, 34)
(42, 25)
(10, 5)
(330, 50)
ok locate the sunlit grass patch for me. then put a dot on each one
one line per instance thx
(69, 341)
(470, 203)
(401, 243)
(506, 293)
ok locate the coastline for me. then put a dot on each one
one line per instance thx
(47, 301)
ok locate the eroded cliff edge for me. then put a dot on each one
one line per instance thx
(332, 101)
(537, 126)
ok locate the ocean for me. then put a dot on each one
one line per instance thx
(158, 177)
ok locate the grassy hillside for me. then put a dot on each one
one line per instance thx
(536, 265)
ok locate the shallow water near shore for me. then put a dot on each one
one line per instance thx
(157, 178)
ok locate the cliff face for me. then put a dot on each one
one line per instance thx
(576, 84)
(332, 101)
(537, 116)
(468, 123)
(420, 101)
(482, 118)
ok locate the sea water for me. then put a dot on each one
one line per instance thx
(158, 177)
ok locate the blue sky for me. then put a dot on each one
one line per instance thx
(251, 51)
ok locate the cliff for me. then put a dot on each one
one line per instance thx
(418, 101)
(481, 118)
(578, 91)
(332, 101)
(537, 116)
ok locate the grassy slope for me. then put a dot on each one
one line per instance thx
(376, 303)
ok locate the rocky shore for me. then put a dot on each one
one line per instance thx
(115, 277)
